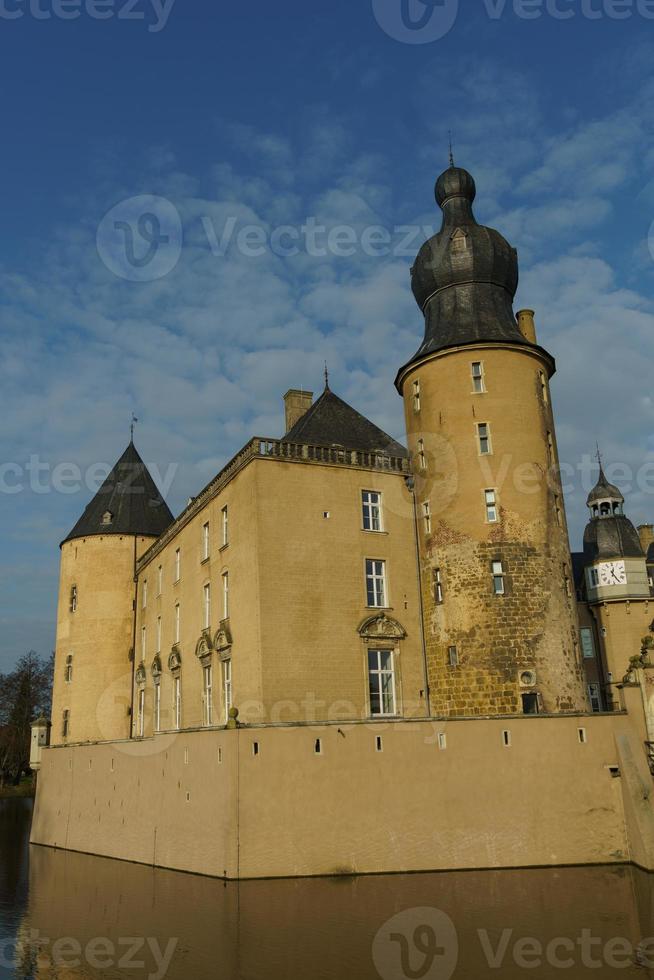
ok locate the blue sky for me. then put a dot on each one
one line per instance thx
(267, 115)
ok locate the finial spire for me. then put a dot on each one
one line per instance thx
(451, 150)
(599, 458)
(326, 377)
(131, 427)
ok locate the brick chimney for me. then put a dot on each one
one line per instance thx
(296, 404)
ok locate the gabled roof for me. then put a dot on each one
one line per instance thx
(128, 502)
(332, 422)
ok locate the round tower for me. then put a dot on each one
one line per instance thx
(95, 615)
(500, 611)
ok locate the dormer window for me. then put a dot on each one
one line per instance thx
(107, 517)
(459, 241)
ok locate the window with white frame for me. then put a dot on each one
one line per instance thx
(477, 370)
(381, 680)
(438, 585)
(225, 525)
(416, 396)
(499, 586)
(490, 498)
(158, 650)
(144, 594)
(483, 433)
(227, 687)
(426, 516)
(140, 718)
(177, 621)
(73, 599)
(376, 582)
(372, 510)
(205, 541)
(160, 580)
(207, 694)
(422, 456)
(595, 696)
(225, 595)
(587, 643)
(593, 577)
(178, 564)
(144, 642)
(206, 606)
(69, 669)
(177, 701)
(157, 706)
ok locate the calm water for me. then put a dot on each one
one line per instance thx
(118, 920)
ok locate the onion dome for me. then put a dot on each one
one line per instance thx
(465, 278)
(609, 533)
(128, 502)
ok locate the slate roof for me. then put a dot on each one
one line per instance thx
(603, 490)
(332, 422)
(130, 495)
(611, 537)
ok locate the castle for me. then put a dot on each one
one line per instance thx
(334, 600)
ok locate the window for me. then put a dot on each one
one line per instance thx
(422, 458)
(160, 580)
(107, 517)
(426, 516)
(227, 687)
(157, 706)
(140, 719)
(65, 723)
(372, 514)
(206, 621)
(587, 644)
(177, 701)
(178, 564)
(453, 656)
(557, 508)
(225, 595)
(416, 396)
(69, 669)
(543, 387)
(205, 541)
(483, 431)
(144, 594)
(491, 506)
(530, 705)
(177, 622)
(595, 697)
(381, 677)
(225, 525)
(566, 581)
(593, 577)
(550, 448)
(207, 695)
(158, 650)
(477, 369)
(376, 582)
(73, 598)
(144, 642)
(498, 578)
(442, 741)
(438, 585)
(506, 739)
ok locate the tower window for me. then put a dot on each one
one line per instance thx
(453, 656)
(438, 586)
(593, 577)
(477, 370)
(566, 581)
(381, 678)
(65, 724)
(550, 448)
(491, 506)
(69, 669)
(543, 388)
(499, 587)
(416, 396)
(376, 582)
(426, 515)
(73, 598)
(557, 508)
(422, 458)
(483, 432)
(372, 512)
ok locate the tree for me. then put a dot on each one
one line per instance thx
(25, 693)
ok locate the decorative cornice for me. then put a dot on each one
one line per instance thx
(175, 658)
(381, 627)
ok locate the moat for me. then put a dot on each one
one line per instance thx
(72, 915)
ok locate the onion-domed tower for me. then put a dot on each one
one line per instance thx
(95, 615)
(501, 624)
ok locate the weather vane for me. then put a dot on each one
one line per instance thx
(451, 150)
(131, 427)
(326, 376)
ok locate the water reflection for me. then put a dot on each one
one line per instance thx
(123, 920)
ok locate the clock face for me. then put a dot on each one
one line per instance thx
(612, 573)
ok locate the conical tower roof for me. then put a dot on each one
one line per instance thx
(128, 502)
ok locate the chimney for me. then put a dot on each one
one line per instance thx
(527, 326)
(296, 404)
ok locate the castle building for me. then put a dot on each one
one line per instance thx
(331, 581)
